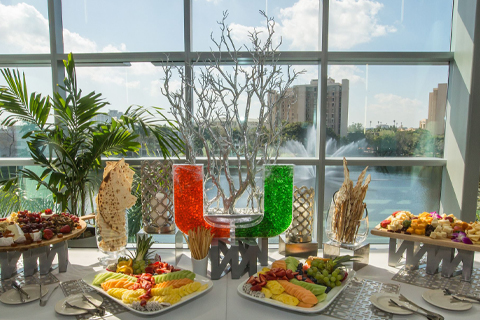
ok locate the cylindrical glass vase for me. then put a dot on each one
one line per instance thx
(111, 232)
(347, 230)
(277, 205)
(188, 199)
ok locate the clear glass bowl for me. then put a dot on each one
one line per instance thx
(353, 233)
(111, 242)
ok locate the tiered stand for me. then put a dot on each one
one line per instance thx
(443, 251)
(38, 255)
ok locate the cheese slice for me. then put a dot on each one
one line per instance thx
(6, 242)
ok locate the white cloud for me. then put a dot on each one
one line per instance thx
(299, 24)
(354, 22)
(112, 48)
(78, 44)
(388, 107)
(352, 73)
(23, 29)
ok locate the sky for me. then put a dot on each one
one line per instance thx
(377, 93)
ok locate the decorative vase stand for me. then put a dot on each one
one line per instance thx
(37, 256)
(296, 249)
(237, 257)
(438, 251)
(361, 251)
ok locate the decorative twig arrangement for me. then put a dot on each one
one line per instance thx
(349, 206)
(225, 96)
(199, 240)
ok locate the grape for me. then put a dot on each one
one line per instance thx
(315, 263)
(325, 272)
(338, 283)
(327, 283)
(335, 272)
(339, 277)
(333, 279)
(319, 277)
(310, 272)
(314, 269)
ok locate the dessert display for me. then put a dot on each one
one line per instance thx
(25, 227)
(114, 197)
(298, 284)
(432, 225)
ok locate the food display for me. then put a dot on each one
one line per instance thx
(433, 225)
(25, 227)
(150, 292)
(114, 197)
(301, 285)
(348, 207)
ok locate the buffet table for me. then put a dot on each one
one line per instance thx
(223, 301)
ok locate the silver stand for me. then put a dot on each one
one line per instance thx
(435, 255)
(362, 252)
(34, 259)
(298, 249)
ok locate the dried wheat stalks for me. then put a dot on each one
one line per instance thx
(199, 240)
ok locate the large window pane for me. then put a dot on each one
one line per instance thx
(297, 22)
(416, 189)
(124, 86)
(24, 27)
(125, 25)
(389, 111)
(11, 142)
(390, 25)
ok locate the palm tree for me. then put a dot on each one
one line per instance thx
(70, 149)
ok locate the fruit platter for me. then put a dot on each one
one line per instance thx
(431, 228)
(25, 230)
(307, 287)
(146, 285)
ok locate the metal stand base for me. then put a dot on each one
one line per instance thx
(435, 255)
(240, 257)
(33, 259)
(300, 249)
(362, 252)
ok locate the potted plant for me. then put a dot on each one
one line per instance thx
(69, 150)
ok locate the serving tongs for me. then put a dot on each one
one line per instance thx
(459, 296)
(20, 291)
(437, 315)
(404, 307)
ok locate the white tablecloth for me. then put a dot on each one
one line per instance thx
(223, 301)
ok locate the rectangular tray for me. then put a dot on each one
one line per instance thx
(89, 280)
(424, 239)
(317, 308)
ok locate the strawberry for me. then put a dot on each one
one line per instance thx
(385, 223)
(66, 229)
(299, 278)
(48, 211)
(251, 279)
(308, 280)
(47, 234)
(256, 287)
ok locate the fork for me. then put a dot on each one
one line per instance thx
(428, 316)
(68, 305)
(404, 299)
(100, 309)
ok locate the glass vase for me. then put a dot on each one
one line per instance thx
(344, 231)
(111, 235)
(277, 205)
(188, 199)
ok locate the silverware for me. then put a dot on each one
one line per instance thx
(428, 316)
(404, 299)
(68, 305)
(448, 292)
(457, 299)
(40, 293)
(20, 291)
(100, 309)
(44, 302)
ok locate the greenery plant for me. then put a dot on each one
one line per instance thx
(70, 149)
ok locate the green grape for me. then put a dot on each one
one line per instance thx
(310, 272)
(321, 265)
(333, 279)
(335, 272)
(339, 277)
(327, 283)
(332, 284)
(338, 283)
(314, 269)
(318, 277)
(325, 272)
(316, 263)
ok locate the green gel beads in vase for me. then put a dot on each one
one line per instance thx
(277, 205)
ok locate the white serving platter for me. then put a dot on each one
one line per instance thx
(316, 308)
(89, 280)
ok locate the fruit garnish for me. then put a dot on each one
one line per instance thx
(47, 234)
(385, 223)
(125, 269)
(65, 229)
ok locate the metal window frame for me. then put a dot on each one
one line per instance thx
(320, 58)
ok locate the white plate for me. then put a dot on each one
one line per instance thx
(76, 300)
(381, 301)
(316, 308)
(438, 299)
(13, 297)
(89, 280)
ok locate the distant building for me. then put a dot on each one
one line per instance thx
(108, 117)
(300, 105)
(437, 102)
(423, 124)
